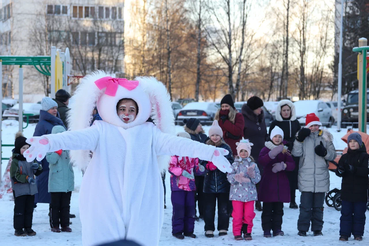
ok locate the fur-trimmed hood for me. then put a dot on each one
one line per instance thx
(281, 103)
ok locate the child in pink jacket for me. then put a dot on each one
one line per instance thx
(182, 183)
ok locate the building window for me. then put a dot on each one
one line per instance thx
(120, 16)
(91, 38)
(87, 12)
(75, 38)
(65, 10)
(80, 11)
(107, 12)
(101, 12)
(92, 12)
(101, 38)
(10, 38)
(83, 38)
(75, 11)
(57, 10)
(114, 13)
(50, 9)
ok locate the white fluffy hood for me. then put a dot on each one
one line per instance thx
(281, 103)
(150, 95)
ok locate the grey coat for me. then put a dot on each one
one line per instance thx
(20, 185)
(313, 174)
(243, 192)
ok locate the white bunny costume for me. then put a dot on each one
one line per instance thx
(121, 194)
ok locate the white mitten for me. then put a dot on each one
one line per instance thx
(220, 161)
(39, 147)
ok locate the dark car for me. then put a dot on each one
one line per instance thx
(267, 115)
(203, 111)
(350, 112)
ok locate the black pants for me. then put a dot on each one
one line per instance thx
(223, 215)
(271, 218)
(165, 188)
(352, 218)
(59, 208)
(199, 181)
(311, 209)
(23, 211)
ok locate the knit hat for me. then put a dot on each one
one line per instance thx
(276, 131)
(254, 102)
(244, 144)
(355, 136)
(183, 135)
(228, 100)
(62, 95)
(20, 141)
(48, 103)
(312, 119)
(192, 123)
(215, 129)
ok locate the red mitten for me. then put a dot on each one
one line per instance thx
(59, 152)
(210, 166)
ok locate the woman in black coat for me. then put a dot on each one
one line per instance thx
(285, 118)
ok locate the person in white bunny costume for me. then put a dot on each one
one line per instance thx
(121, 195)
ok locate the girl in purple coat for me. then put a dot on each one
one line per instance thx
(182, 183)
(274, 187)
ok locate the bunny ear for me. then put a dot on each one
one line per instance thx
(161, 112)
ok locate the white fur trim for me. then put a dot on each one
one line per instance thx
(278, 116)
(313, 123)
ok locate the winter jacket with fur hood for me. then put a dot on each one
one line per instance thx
(243, 192)
(61, 175)
(313, 174)
(289, 126)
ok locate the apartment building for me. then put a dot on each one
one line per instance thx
(93, 30)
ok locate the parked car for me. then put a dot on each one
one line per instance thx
(269, 118)
(350, 112)
(30, 109)
(203, 111)
(271, 106)
(8, 103)
(334, 108)
(318, 107)
(176, 107)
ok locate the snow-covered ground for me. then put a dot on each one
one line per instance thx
(46, 237)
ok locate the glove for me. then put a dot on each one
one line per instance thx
(39, 147)
(340, 170)
(59, 152)
(275, 151)
(188, 175)
(210, 166)
(352, 169)
(220, 161)
(34, 166)
(31, 180)
(321, 150)
(223, 115)
(251, 171)
(303, 133)
(201, 168)
(241, 179)
(279, 166)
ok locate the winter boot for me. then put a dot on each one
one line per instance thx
(66, 229)
(318, 233)
(190, 234)
(209, 234)
(20, 233)
(358, 238)
(247, 236)
(344, 238)
(302, 233)
(56, 229)
(223, 233)
(30, 232)
(178, 235)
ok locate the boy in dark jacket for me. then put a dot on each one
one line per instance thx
(22, 174)
(353, 168)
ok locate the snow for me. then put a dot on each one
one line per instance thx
(44, 235)
(197, 105)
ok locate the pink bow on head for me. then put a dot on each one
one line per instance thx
(111, 84)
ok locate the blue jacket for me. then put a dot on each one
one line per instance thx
(216, 181)
(46, 122)
(61, 175)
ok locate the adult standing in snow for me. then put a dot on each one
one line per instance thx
(62, 99)
(231, 122)
(255, 130)
(121, 195)
(285, 118)
(48, 119)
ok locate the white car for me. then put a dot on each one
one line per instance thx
(271, 107)
(203, 111)
(176, 107)
(32, 110)
(318, 107)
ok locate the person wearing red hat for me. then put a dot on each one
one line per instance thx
(314, 146)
